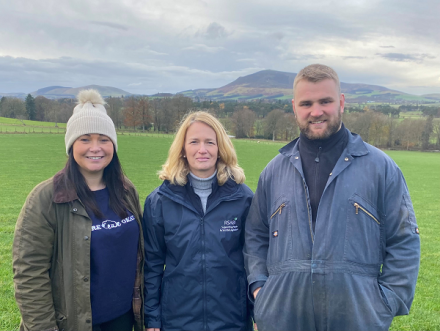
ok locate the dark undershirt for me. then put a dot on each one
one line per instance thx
(318, 158)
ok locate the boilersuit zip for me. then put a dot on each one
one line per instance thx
(358, 206)
(309, 212)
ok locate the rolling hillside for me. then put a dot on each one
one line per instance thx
(271, 84)
(433, 96)
(265, 84)
(55, 92)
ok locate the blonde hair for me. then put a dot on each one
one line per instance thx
(315, 73)
(176, 167)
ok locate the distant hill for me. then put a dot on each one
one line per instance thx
(272, 84)
(433, 96)
(13, 95)
(56, 92)
(162, 95)
(266, 84)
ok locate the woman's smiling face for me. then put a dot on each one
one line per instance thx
(93, 153)
(201, 149)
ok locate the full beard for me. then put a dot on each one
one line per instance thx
(333, 126)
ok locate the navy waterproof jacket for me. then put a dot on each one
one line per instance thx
(203, 286)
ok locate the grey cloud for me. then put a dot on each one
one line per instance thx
(302, 57)
(205, 44)
(111, 25)
(354, 57)
(421, 86)
(155, 53)
(203, 48)
(277, 35)
(68, 71)
(399, 57)
(213, 31)
(246, 60)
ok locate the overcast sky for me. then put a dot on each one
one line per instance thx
(154, 46)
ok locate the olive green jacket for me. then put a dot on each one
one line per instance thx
(51, 259)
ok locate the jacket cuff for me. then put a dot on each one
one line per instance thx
(153, 323)
(253, 286)
(156, 325)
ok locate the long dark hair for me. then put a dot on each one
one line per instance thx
(114, 179)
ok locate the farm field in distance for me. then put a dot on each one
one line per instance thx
(27, 159)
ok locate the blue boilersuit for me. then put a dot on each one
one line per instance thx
(358, 269)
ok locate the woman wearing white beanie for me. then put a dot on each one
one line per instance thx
(78, 246)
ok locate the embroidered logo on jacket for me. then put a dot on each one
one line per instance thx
(229, 226)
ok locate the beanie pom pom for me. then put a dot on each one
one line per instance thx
(91, 96)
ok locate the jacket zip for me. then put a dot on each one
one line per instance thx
(202, 229)
(308, 213)
(317, 155)
(279, 209)
(358, 206)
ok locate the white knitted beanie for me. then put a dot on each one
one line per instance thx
(89, 116)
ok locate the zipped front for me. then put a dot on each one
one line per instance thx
(202, 231)
(204, 261)
(308, 213)
(358, 206)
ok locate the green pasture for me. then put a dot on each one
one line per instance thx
(16, 126)
(13, 125)
(27, 159)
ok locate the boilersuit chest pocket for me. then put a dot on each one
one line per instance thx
(363, 232)
(280, 238)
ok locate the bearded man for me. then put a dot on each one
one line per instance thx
(331, 238)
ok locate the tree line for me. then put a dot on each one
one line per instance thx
(379, 125)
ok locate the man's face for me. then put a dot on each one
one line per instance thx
(318, 108)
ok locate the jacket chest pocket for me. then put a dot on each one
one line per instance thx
(280, 238)
(363, 232)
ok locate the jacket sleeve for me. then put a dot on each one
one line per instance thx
(257, 238)
(402, 247)
(138, 290)
(31, 260)
(155, 252)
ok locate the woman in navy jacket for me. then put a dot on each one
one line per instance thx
(194, 234)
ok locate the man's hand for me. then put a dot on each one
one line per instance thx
(152, 329)
(256, 292)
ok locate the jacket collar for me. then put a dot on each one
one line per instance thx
(63, 189)
(355, 146)
(180, 193)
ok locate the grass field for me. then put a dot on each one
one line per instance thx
(29, 159)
